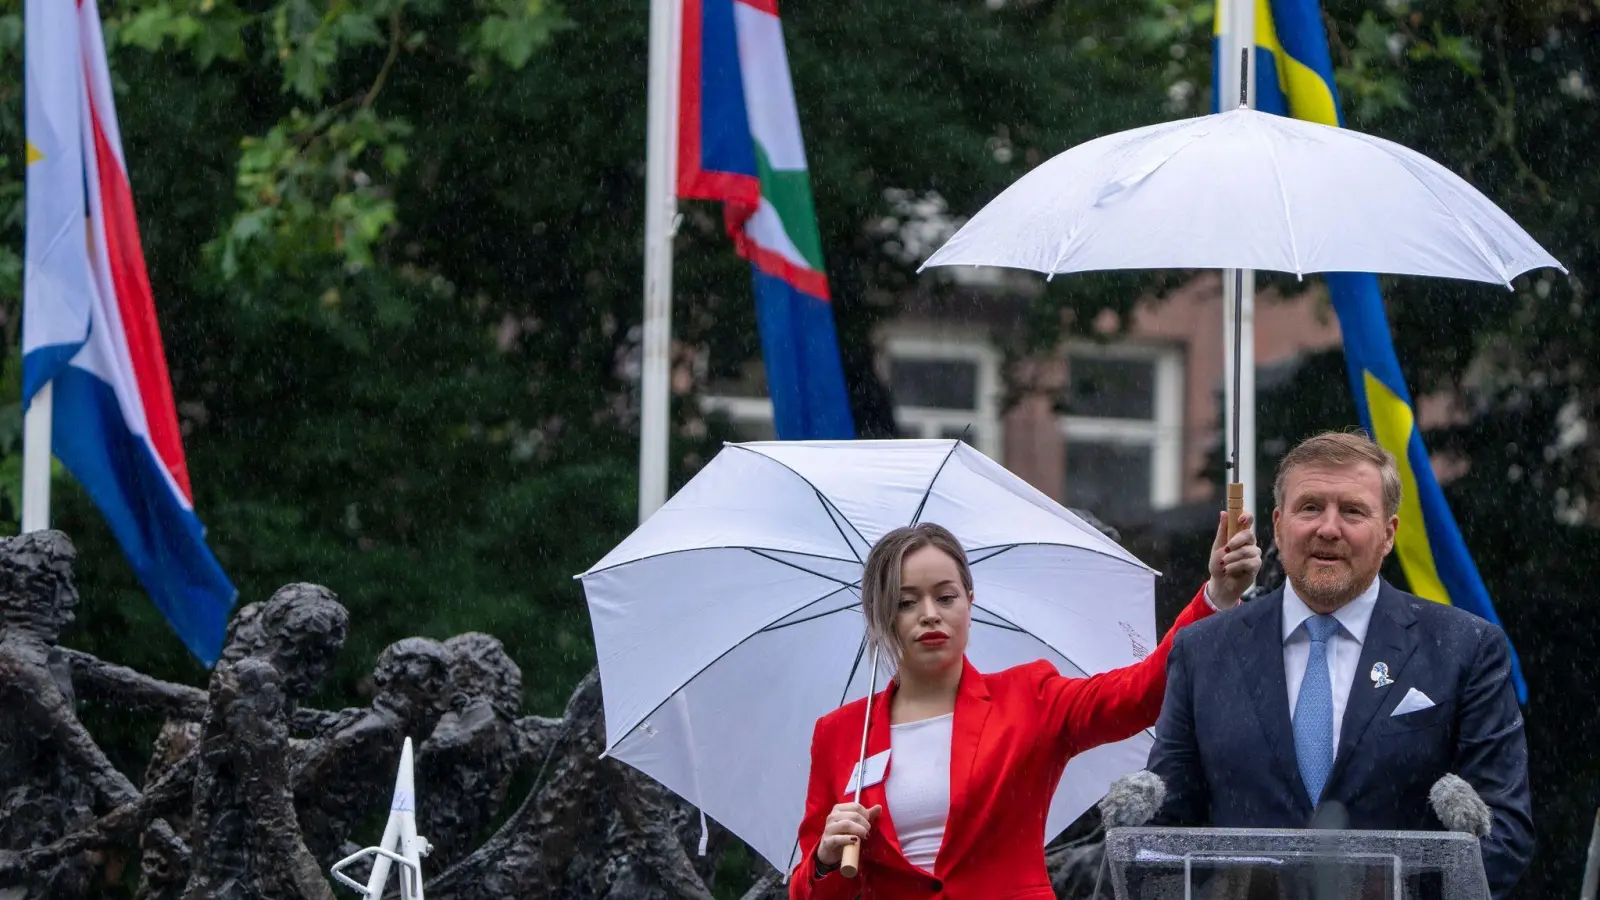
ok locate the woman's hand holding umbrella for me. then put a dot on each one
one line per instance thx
(1235, 561)
(848, 825)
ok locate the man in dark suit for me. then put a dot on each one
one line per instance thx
(1339, 687)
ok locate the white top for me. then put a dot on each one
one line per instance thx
(918, 787)
(1344, 649)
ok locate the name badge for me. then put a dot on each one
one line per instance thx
(874, 768)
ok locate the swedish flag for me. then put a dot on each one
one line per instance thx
(1294, 77)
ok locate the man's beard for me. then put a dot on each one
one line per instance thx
(1328, 588)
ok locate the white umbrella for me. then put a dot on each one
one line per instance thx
(1245, 190)
(730, 621)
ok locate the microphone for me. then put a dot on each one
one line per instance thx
(1133, 800)
(1459, 807)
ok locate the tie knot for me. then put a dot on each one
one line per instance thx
(1321, 628)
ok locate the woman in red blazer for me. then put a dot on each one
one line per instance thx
(959, 810)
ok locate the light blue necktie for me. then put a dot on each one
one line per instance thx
(1313, 710)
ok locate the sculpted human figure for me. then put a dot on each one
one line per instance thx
(247, 839)
(53, 778)
(465, 766)
(299, 632)
(340, 776)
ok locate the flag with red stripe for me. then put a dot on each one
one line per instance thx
(739, 142)
(89, 325)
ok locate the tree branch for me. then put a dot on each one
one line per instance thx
(388, 61)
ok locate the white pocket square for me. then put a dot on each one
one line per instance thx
(1414, 701)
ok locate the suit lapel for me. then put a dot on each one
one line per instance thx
(1260, 661)
(966, 727)
(1390, 640)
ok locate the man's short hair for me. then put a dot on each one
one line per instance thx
(1343, 448)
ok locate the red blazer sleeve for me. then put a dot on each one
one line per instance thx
(1112, 706)
(820, 800)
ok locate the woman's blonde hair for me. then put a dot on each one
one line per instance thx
(880, 583)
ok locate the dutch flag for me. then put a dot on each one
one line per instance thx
(89, 328)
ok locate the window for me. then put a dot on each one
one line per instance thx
(946, 387)
(743, 402)
(1123, 426)
(751, 417)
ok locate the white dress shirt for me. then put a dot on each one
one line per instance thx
(918, 787)
(1344, 650)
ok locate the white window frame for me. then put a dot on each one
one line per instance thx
(1163, 434)
(929, 421)
(739, 410)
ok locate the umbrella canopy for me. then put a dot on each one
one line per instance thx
(1245, 189)
(731, 619)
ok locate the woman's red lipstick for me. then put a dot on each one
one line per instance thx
(932, 637)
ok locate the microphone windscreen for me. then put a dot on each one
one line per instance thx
(1133, 800)
(1459, 807)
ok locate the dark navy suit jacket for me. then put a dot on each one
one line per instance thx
(1225, 746)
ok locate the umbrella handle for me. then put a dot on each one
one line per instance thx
(1235, 509)
(850, 861)
(850, 864)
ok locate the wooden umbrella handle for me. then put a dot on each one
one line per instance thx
(1235, 509)
(850, 864)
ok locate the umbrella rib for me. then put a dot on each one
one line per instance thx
(916, 517)
(779, 625)
(647, 558)
(1283, 197)
(702, 670)
(821, 498)
(1008, 623)
(1021, 630)
(1000, 625)
(997, 552)
(767, 555)
(830, 509)
(1135, 562)
(836, 610)
(1471, 232)
(855, 667)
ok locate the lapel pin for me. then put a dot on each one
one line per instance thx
(1380, 675)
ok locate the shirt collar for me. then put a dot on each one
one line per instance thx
(1354, 617)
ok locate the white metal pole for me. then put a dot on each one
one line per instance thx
(36, 427)
(1238, 35)
(661, 207)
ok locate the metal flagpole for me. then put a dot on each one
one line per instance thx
(661, 213)
(1239, 285)
(38, 422)
(36, 427)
